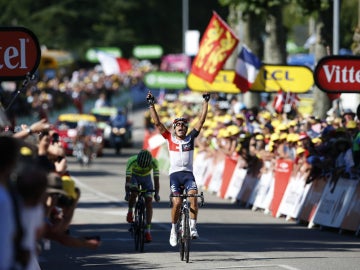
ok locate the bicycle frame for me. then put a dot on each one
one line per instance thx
(139, 225)
(183, 224)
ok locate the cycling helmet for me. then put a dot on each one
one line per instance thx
(144, 158)
(180, 119)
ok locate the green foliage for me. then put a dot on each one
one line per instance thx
(77, 25)
(298, 12)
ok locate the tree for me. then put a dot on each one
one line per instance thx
(78, 25)
(261, 19)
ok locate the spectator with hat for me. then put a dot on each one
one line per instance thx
(56, 225)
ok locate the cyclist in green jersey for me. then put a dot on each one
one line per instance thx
(138, 172)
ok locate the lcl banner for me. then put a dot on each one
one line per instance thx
(19, 53)
(338, 74)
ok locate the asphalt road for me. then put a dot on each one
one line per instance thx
(231, 237)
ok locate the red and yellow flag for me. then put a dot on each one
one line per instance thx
(217, 44)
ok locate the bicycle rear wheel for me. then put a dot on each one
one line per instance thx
(186, 239)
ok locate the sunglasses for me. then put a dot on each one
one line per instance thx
(178, 124)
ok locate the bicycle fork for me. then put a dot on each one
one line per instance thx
(184, 215)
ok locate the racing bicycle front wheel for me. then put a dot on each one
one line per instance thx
(186, 238)
(136, 229)
(180, 233)
(142, 225)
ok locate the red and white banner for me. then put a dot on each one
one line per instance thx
(283, 169)
(217, 44)
(229, 168)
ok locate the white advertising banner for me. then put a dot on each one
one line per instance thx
(236, 183)
(294, 197)
(264, 191)
(199, 168)
(215, 183)
(335, 202)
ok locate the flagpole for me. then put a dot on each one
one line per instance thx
(185, 21)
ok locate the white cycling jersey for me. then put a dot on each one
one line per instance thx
(181, 152)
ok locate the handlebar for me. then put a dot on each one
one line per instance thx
(134, 189)
(185, 195)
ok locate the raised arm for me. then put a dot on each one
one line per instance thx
(155, 117)
(203, 114)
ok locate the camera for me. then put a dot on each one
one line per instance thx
(55, 138)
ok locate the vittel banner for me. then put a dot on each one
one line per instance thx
(19, 53)
(338, 74)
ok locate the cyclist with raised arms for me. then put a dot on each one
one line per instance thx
(181, 152)
(138, 172)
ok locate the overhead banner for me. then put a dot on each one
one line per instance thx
(294, 79)
(148, 51)
(167, 80)
(92, 56)
(271, 78)
(223, 83)
(338, 74)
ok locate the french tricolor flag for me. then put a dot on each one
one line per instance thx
(246, 69)
(111, 64)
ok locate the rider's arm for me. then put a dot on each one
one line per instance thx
(155, 116)
(128, 173)
(203, 114)
(156, 174)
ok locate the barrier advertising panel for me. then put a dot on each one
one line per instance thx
(351, 219)
(282, 174)
(334, 202)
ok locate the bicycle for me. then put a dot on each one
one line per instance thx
(183, 224)
(138, 227)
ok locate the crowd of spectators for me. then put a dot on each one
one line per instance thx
(38, 195)
(44, 95)
(257, 137)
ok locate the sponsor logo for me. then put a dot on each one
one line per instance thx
(338, 74)
(19, 53)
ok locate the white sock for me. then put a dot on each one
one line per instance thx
(192, 223)
(173, 227)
